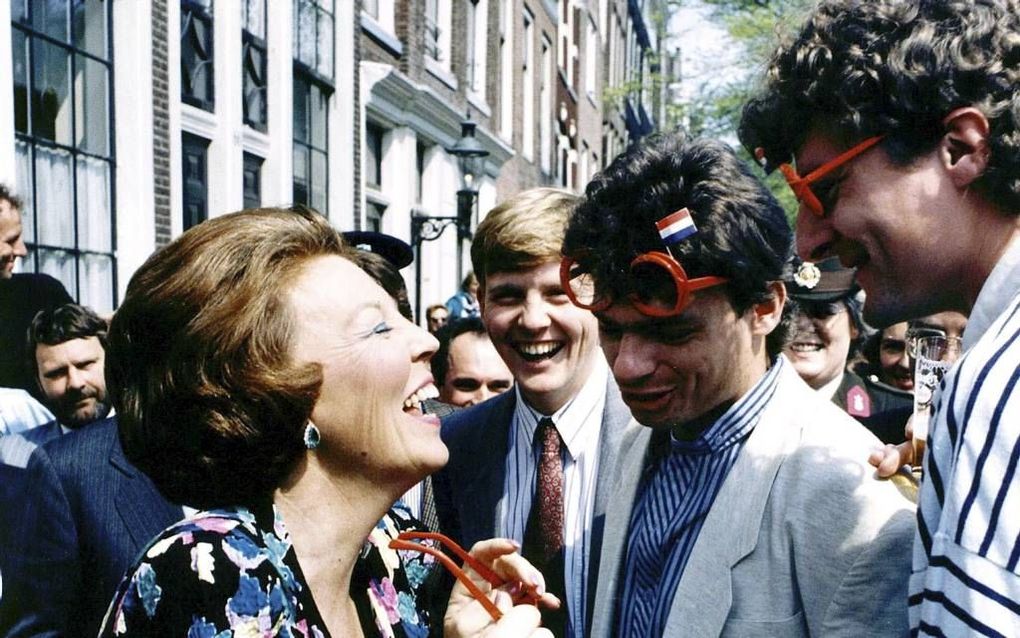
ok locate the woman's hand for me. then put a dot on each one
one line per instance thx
(466, 617)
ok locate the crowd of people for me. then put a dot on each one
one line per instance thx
(650, 410)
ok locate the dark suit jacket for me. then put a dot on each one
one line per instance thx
(470, 487)
(12, 483)
(87, 514)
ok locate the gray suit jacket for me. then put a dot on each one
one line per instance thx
(470, 487)
(802, 539)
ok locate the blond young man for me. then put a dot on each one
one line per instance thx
(492, 482)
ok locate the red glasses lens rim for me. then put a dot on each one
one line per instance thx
(801, 186)
(685, 286)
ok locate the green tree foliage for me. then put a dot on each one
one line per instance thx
(755, 26)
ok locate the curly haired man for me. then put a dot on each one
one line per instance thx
(902, 119)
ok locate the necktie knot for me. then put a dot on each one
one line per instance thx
(547, 439)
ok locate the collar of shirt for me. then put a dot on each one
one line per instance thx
(570, 420)
(999, 289)
(737, 422)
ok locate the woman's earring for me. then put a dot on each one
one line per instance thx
(312, 436)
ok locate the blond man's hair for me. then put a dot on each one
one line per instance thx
(522, 232)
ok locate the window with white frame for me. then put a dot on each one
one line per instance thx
(545, 111)
(591, 56)
(477, 20)
(506, 70)
(194, 180)
(437, 31)
(382, 11)
(528, 87)
(568, 52)
(197, 82)
(64, 147)
(313, 86)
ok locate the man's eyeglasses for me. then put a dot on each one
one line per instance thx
(661, 285)
(405, 541)
(801, 186)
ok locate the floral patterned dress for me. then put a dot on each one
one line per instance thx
(234, 572)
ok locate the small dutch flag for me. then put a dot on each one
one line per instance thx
(676, 226)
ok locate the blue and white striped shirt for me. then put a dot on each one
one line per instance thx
(672, 503)
(965, 578)
(579, 423)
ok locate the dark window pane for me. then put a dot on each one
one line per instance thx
(252, 181)
(19, 11)
(19, 49)
(51, 110)
(193, 164)
(301, 93)
(50, 17)
(196, 56)
(373, 155)
(253, 62)
(89, 20)
(373, 216)
(91, 112)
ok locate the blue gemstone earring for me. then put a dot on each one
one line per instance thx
(312, 436)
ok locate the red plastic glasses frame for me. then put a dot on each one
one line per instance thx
(801, 186)
(685, 286)
(405, 541)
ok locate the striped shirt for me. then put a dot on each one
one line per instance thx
(965, 578)
(676, 495)
(579, 423)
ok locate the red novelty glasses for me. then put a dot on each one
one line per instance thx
(405, 541)
(661, 286)
(801, 186)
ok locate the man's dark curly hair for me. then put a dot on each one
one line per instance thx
(742, 231)
(860, 68)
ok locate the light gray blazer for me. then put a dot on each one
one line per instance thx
(802, 539)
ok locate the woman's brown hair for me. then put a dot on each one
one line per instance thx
(209, 402)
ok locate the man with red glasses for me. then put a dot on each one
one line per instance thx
(744, 504)
(903, 118)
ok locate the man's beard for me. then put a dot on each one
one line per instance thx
(74, 418)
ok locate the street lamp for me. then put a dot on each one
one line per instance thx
(470, 156)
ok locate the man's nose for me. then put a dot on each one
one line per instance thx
(75, 379)
(632, 361)
(814, 235)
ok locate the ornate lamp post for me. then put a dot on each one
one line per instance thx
(470, 160)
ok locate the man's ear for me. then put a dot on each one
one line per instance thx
(767, 314)
(481, 299)
(964, 147)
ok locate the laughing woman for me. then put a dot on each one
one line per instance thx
(261, 376)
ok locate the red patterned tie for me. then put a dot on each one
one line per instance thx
(543, 537)
(548, 504)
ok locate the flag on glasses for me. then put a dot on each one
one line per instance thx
(676, 226)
